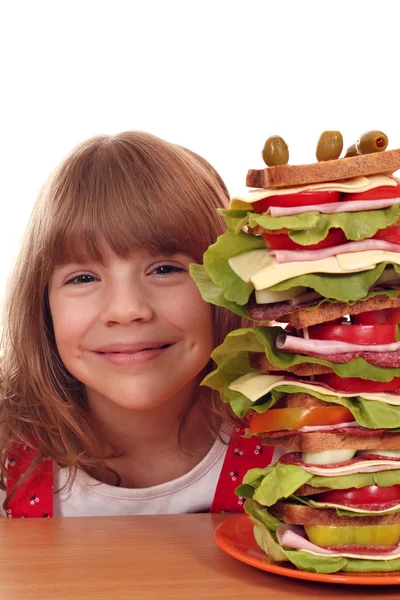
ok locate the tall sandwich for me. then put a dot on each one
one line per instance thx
(313, 257)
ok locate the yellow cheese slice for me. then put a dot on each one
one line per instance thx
(354, 185)
(343, 470)
(248, 264)
(268, 297)
(355, 555)
(354, 261)
(264, 271)
(255, 385)
(355, 510)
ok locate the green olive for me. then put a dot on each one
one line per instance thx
(372, 141)
(351, 151)
(330, 145)
(275, 151)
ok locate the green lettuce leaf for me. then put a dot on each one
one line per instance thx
(358, 480)
(289, 478)
(356, 226)
(305, 561)
(264, 527)
(259, 513)
(357, 565)
(235, 219)
(267, 542)
(225, 283)
(311, 228)
(212, 293)
(216, 264)
(345, 288)
(231, 358)
(280, 482)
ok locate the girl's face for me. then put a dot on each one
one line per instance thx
(135, 331)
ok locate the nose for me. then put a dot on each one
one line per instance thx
(126, 303)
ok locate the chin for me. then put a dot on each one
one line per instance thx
(136, 397)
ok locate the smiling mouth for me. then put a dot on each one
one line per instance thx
(134, 351)
(132, 356)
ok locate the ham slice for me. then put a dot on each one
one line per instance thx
(333, 207)
(292, 536)
(380, 359)
(291, 343)
(285, 256)
(311, 428)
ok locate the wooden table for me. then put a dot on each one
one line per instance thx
(160, 557)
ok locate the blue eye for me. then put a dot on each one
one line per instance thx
(167, 269)
(81, 279)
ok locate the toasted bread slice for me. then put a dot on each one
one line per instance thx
(309, 490)
(260, 362)
(317, 441)
(301, 400)
(330, 311)
(378, 163)
(305, 315)
(297, 514)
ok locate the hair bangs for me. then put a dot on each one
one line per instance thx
(109, 195)
(113, 222)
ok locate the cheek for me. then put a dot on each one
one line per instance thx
(194, 317)
(69, 323)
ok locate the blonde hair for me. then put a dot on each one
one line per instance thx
(131, 190)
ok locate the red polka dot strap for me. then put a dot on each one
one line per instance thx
(35, 497)
(242, 454)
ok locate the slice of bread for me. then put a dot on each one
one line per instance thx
(297, 514)
(306, 315)
(316, 441)
(309, 490)
(301, 400)
(330, 311)
(378, 163)
(260, 362)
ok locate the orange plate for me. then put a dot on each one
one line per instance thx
(235, 537)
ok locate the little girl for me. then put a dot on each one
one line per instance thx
(106, 340)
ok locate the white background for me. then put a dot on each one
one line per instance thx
(216, 76)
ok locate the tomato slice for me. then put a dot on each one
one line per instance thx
(360, 535)
(356, 384)
(372, 494)
(281, 241)
(299, 199)
(380, 193)
(390, 234)
(277, 419)
(378, 317)
(355, 334)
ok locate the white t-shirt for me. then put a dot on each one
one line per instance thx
(190, 493)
